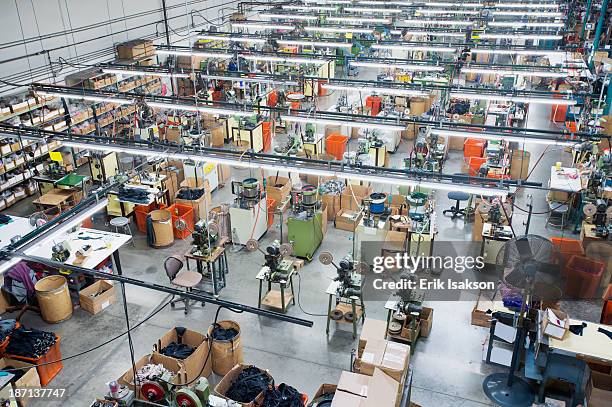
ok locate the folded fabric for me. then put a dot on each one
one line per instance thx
(247, 386)
(177, 350)
(30, 343)
(190, 194)
(282, 396)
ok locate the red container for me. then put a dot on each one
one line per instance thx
(271, 209)
(606, 312)
(46, 370)
(141, 212)
(475, 163)
(185, 213)
(582, 276)
(267, 135)
(567, 247)
(572, 126)
(335, 144)
(473, 147)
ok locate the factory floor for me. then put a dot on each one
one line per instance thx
(447, 365)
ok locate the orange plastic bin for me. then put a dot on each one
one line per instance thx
(182, 213)
(335, 144)
(567, 247)
(271, 209)
(141, 212)
(582, 276)
(475, 163)
(473, 147)
(45, 368)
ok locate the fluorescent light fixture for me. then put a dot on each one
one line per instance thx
(410, 47)
(248, 79)
(308, 8)
(514, 24)
(526, 5)
(447, 4)
(232, 39)
(85, 97)
(517, 99)
(289, 17)
(373, 10)
(356, 19)
(549, 14)
(340, 30)
(439, 12)
(450, 23)
(531, 52)
(324, 44)
(328, 1)
(435, 33)
(407, 67)
(381, 90)
(263, 26)
(195, 53)
(471, 189)
(491, 136)
(510, 36)
(284, 59)
(384, 3)
(348, 123)
(539, 74)
(202, 109)
(143, 73)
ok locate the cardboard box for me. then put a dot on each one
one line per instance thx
(343, 399)
(373, 329)
(333, 205)
(200, 206)
(173, 134)
(97, 297)
(555, 323)
(135, 49)
(324, 389)
(195, 362)
(278, 188)
(378, 390)
(480, 317)
(599, 390)
(426, 320)
(347, 220)
(354, 383)
(324, 219)
(390, 357)
(30, 378)
(225, 383)
(352, 201)
(127, 379)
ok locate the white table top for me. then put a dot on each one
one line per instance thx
(566, 179)
(333, 288)
(592, 344)
(18, 227)
(106, 242)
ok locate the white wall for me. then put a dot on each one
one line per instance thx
(44, 17)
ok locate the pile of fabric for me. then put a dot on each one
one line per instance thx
(136, 195)
(177, 350)
(30, 343)
(282, 396)
(151, 371)
(222, 334)
(332, 187)
(190, 194)
(249, 383)
(4, 219)
(459, 108)
(7, 326)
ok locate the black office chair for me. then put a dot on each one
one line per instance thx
(457, 196)
(181, 278)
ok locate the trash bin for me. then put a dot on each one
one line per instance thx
(54, 299)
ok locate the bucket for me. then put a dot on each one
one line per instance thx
(54, 299)
(226, 353)
(162, 227)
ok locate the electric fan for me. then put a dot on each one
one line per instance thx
(527, 264)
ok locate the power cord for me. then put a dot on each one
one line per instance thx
(300, 303)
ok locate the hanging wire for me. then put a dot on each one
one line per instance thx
(24, 42)
(76, 53)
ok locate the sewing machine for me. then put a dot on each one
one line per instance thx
(205, 236)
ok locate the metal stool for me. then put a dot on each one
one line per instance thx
(558, 210)
(458, 197)
(122, 225)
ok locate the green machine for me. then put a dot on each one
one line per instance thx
(305, 223)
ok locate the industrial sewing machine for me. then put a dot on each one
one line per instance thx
(249, 212)
(205, 236)
(305, 222)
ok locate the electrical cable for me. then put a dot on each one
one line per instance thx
(129, 335)
(300, 303)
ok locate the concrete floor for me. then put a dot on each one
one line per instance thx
(447, 365)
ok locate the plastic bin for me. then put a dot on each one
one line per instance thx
(475, 163)
(141, 212)
(47, 371)
(473, 147)
(567, 247)
(182, 213)
(571, 126)
(582, 276)
(335, 144)
(271, 209)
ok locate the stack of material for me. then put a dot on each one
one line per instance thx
(330, 192)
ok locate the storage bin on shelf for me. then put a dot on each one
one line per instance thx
(182, 214)
(567, 247)
(473, 147)
(335, 144)
(582, 276)
(46, 370)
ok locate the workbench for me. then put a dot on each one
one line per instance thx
(492, 242)
(345, 305)
(216, 267)
(276, 299)
(55, 197)
(565, 179)
(17, 227)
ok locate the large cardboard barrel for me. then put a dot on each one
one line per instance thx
(162, 228)
(54, 299)
(225, 353)
(418, 106)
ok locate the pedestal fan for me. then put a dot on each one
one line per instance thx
(525, 263)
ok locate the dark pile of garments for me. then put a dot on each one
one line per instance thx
(282, 396)
(222, 334)
(190, 194)
(6, 328)
(4, 219)
(249, 383)
(30, 343)
(135, 195)
(177, 350)
(460, 108)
